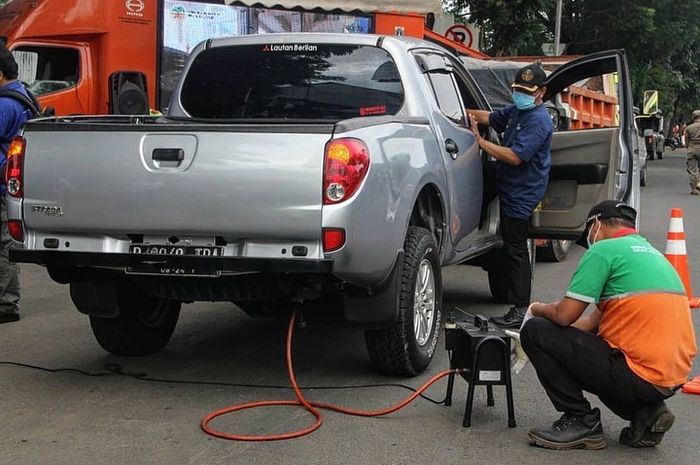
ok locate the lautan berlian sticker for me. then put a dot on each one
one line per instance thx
(290, 48)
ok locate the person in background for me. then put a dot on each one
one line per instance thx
(684, 140)
(692, 138)
(13, 115)
(521, 178)
(633, 351)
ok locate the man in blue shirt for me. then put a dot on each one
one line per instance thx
(521, 177)
(13, 115)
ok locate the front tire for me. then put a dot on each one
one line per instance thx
(144, 325)
(406, 348)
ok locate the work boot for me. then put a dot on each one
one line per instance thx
(571, 432)
(8, 317)
(647, 428)
(512, 319)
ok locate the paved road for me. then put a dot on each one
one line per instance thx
(69, 418)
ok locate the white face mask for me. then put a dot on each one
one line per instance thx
(595, 236)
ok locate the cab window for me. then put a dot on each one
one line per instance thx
(47, 69)
(448, 100)
(329, 82)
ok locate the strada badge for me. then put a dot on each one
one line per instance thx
(48, 210)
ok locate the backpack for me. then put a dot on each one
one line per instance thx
(29, 102)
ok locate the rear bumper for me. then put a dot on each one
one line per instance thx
(155, 264)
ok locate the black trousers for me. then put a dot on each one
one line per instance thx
(516, 259)
(513, 260)
(569, 361)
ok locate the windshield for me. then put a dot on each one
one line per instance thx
(47, 69)
(292, 81)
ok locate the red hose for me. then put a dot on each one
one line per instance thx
(301, 401)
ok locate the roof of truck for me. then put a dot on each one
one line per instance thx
(365, 6)
(319, 38)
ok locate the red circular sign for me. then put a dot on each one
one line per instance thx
(460, 33)
(135, 6)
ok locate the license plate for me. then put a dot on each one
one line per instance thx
(178, 250)
(155, 269)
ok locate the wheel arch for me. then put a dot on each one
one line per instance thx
(429, 212)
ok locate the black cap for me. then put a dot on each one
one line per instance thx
(530, 78)
(605, 210)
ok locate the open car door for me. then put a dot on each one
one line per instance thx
(593, 164)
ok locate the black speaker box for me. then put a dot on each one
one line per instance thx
(128, 93)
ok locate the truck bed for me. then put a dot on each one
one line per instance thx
(159, 179)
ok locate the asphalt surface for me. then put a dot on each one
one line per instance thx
(70, 418)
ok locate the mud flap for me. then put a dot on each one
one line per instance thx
(95, 298)
(376, 308)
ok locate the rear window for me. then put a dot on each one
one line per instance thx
(292, 81)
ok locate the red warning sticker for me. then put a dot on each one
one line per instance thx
(373, 111)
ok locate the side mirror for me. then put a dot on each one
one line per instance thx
(555, 116)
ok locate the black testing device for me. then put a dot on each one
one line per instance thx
(481, 351)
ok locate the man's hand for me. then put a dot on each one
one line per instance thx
(503, 154)
(474, 126)
(528, 314)
(482, 116)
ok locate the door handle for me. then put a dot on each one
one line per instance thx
(451, 148)
(171, 155)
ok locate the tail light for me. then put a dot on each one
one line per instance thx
(345, 166)
(14, 170)
(333, 239)
(14, 227)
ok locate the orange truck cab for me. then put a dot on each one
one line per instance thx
(125, 56)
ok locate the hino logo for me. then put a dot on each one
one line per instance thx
(48, 210)
(135, 7)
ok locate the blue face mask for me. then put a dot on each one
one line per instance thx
(523, 101)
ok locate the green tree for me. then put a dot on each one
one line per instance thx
(513, 27)
(662, 38)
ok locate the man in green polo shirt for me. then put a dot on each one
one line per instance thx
(633, 351)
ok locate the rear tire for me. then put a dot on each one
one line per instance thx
(143, 327)
(407, 348)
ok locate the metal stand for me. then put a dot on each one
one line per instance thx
(480, 374)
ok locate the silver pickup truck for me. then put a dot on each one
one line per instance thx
(290, 168)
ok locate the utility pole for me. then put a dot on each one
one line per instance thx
(557, 29)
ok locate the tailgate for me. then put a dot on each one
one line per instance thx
(259, 183)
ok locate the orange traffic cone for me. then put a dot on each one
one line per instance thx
(692, 386)
(677, 255)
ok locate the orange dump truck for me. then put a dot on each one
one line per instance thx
(125, 56)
